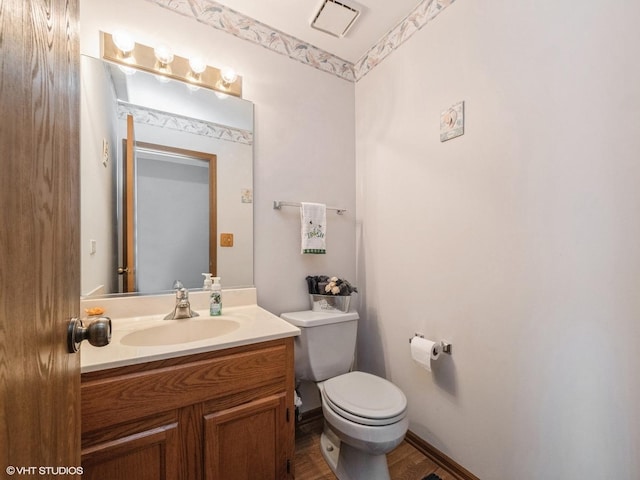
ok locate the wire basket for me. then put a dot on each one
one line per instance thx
(330, 303)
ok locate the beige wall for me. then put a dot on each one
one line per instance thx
(518, 241)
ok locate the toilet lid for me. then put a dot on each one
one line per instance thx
(365, 398)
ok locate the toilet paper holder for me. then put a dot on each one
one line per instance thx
(446, 346)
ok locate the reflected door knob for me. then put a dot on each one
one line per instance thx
(98, 333)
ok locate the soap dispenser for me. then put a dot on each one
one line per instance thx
(207, 282)
(215, 301)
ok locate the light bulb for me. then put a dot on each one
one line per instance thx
(228, 75)
(197, 65)
(124, 41)
(163, 54)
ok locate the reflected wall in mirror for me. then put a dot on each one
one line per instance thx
(176, 117)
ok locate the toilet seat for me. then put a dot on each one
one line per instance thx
(365, 399)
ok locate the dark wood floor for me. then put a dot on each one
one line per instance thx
(405, 462)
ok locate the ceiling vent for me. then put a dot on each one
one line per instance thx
(335, 17)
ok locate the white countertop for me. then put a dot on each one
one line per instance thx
(255, 325)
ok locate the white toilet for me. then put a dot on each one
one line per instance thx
(365, 415)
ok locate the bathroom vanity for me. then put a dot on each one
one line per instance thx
(216, 408)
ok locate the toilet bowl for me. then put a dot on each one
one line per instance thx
(365, 418)
(365, 415)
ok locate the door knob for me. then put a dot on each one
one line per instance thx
(98, 333)
(122, 271)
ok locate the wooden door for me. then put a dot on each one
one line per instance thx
(39, 234)
(247, 442)
(129, 281)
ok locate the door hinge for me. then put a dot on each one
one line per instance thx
(287, 415)
(288, 466)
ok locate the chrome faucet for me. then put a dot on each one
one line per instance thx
(183, 307)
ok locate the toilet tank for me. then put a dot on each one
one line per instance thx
(326, 345)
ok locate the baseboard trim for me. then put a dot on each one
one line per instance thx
(310, 416)
(438, 457)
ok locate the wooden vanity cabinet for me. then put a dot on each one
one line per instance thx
(225, 415)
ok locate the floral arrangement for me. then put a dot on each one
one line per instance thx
(324, 285)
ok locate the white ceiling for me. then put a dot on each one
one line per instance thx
(293, 17)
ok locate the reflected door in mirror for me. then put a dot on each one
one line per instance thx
(175, 194)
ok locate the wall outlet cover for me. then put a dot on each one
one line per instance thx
(226, 239)
(452, 122)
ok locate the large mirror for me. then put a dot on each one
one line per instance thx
(166, 183)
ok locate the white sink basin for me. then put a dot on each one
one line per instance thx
(173, 332)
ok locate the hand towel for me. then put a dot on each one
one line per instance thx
(313, 217)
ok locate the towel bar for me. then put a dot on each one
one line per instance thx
(278, 204)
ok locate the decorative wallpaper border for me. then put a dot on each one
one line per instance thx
(157, 118)
(426, 11)
(223, 18)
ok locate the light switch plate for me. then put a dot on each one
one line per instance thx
(246, 195)
(105, 152)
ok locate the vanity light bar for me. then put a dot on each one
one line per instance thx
(144, 58)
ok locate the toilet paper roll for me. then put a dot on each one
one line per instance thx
(425, 351)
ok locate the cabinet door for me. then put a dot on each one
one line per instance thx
(248, 441)
(146, 455)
